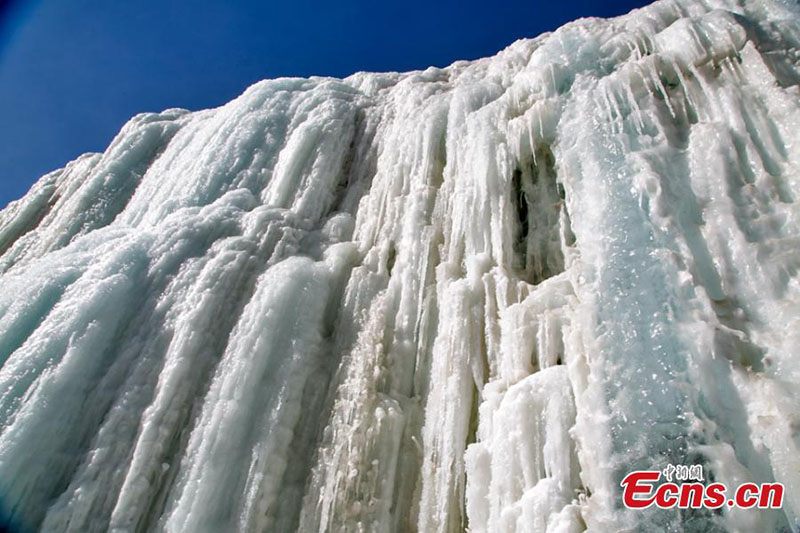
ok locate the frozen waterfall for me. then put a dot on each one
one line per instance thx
(471, 297)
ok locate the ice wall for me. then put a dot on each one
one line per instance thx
(470, 297)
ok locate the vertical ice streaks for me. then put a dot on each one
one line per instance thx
(464, 298)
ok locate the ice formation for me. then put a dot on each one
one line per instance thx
(465, 297)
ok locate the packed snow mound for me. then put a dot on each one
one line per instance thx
(466, 297)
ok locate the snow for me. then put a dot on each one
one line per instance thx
(469, 297)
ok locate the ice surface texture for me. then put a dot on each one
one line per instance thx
(471, 297)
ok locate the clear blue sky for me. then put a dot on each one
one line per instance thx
(73, 71)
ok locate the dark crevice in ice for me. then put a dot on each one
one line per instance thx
(538, 200)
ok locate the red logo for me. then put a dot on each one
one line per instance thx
(639, 491)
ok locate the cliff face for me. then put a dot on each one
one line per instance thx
(475, 296)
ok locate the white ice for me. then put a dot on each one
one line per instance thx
(465, 297)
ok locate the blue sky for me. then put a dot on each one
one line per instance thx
(73, 71)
